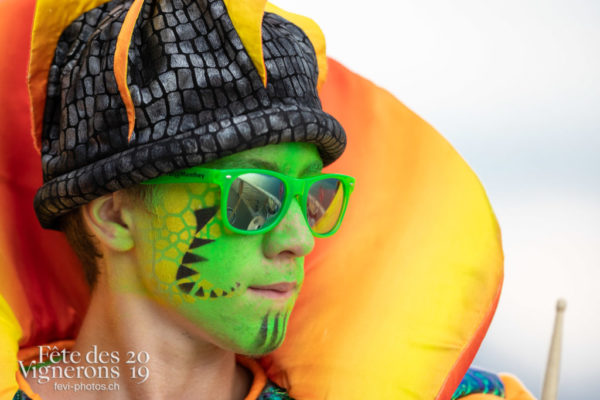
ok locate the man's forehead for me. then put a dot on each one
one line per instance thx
(295, 159)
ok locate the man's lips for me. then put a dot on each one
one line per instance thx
(275, 290)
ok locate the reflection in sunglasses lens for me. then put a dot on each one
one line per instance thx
(325, 203)
(254, 201)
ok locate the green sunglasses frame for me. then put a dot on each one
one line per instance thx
(294, 188)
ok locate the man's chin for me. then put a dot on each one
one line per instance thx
(259, 346)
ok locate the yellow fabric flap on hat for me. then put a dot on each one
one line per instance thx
(314, 33)
(51, 18)
(246, 16)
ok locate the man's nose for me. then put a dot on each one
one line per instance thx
(291, 237)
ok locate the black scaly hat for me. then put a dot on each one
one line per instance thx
(190, 93)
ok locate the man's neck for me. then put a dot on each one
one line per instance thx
(142, 338)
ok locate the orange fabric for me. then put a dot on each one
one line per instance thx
(407, 288)
(260, 378)
(481, 396)
(515, 390)
(32, 353)
(24, 386)
(404, 292)
(41, 278)
(121, 61)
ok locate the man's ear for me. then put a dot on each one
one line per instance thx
(110, 220)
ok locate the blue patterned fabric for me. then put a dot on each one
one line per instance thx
(274, 392)
(21, 396)
(479, 381)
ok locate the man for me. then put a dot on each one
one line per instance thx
(174, 265)
(211, 261)
(158, 291)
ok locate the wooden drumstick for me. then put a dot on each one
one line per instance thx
(550, 389)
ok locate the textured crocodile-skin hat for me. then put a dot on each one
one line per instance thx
(137, 89)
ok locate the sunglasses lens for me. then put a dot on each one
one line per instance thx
(325, 203)
(254, 201)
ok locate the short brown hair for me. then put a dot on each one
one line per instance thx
(83, 242)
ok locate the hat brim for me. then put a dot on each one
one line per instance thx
(279, 124)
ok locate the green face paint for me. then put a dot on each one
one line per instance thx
(219, 280)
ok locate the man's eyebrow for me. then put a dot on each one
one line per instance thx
(312, 169)
(253, 163)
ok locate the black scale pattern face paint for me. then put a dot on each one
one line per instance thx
(190, 260)
(272, 331)
(196, 92)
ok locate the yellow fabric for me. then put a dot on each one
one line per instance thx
(314, 33)
(246, 16)
(10, 334)
(51, 18)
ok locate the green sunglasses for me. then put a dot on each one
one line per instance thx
(254, 201)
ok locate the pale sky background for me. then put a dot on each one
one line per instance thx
(514, 85)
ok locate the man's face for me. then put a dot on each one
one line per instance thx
(237, 290)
